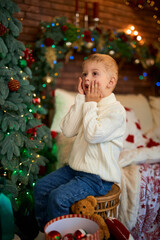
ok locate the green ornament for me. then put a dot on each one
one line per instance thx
(22, 63)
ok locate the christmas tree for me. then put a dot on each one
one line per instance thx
(22, 136)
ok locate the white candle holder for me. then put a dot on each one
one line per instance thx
(77, 21)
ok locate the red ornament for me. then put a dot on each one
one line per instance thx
(13, 85)
(55, 235)
(53, 134)
(53, 93)
(42, 170)
(123, 37)
(3, 29)
(87, 36)
(64, 28)
(68, 236)
(28, 56)
(98, 30)
(79, 234)
(36, 100)
(48, 42)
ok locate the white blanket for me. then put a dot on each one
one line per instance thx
(130, 181)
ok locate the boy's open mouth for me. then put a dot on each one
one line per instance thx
(86, 86)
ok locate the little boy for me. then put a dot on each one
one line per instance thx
(98, 122)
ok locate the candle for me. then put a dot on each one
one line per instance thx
(86, 16)
(76, 7)
(86, 8)
(95, 9)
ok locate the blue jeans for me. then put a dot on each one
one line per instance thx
(56, 192)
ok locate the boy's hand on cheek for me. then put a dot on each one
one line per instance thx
(80, 89)
(93, 93)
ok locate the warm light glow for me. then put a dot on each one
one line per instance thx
(135, 33)
(131, 31)
(48, 79)
(128, 31)
(137, 61)
(139, 38)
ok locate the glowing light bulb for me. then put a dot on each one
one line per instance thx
(132, 28)
(135, 33)
(128, 31)
(139, 38)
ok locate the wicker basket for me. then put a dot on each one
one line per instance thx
(107, 204)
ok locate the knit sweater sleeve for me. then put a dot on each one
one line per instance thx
(109, 127)
(71, 122)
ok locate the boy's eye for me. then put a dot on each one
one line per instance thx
(84, 74)
(94, 73)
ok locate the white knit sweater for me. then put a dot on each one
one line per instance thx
(99, 128)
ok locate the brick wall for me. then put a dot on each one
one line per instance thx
(112, 13)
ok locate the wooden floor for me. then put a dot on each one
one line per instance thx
(40, 236)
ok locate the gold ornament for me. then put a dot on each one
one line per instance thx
(50, 55)
(78, 44)
(70, 53)
(89, 45)
(101, 43)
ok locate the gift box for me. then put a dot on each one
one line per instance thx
(70, 224)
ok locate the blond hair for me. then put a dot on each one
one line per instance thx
(109, 63)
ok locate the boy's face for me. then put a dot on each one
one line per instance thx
(92, 71)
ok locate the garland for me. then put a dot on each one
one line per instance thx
(60, 40)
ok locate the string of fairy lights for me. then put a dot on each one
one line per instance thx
(31, 158)
(142, 4)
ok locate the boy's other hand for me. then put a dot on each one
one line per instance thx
(94, 94)
(80, 88)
